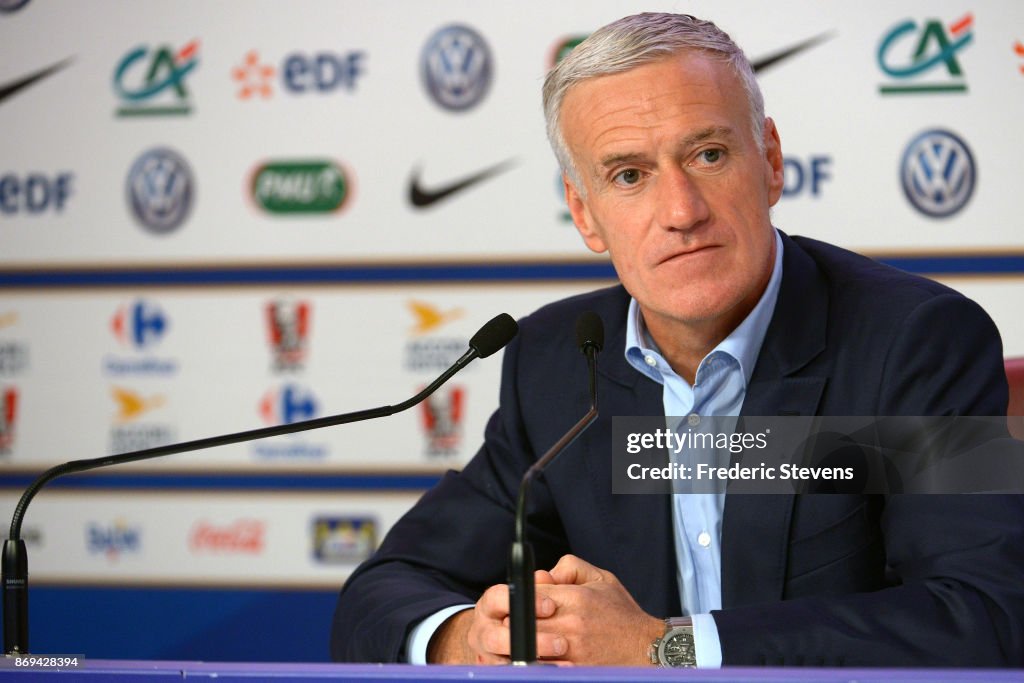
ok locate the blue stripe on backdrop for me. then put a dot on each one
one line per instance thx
(231, 482)
(1007, 264)
(181, 624)
(313, 275)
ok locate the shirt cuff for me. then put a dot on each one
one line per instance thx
(706, 644)
(419, 637)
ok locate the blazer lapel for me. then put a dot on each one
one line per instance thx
(755, 528)
(639, 526)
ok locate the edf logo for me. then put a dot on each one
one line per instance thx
(322, 72)
(805, 176)
(34, 193)
(290, 403)
(141, 324)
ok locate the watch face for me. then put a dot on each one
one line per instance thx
(679, 650)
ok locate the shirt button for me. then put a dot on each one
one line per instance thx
(650, 360)
(704, 539)
(693, 419)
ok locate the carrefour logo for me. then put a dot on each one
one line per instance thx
(938, 173)
(140, 324)
(301, 187)
(923, 57)
(290, 403)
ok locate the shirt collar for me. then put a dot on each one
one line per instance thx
(743, 343)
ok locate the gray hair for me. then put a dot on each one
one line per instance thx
(631, 42)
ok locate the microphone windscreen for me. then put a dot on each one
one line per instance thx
(589, 331)
(494, 335)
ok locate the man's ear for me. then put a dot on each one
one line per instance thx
(773, 161)
(581, 217)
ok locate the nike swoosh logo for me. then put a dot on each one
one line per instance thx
(421, 197)
(775, 58)
(10, 89)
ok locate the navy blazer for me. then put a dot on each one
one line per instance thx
(913, 580)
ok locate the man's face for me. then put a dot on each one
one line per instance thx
(676, 188)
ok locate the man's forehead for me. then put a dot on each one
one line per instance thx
(615, 157)
(651, 90)
(689, 62)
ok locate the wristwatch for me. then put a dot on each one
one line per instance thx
(675, 648)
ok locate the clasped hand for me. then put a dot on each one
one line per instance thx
(584, 617)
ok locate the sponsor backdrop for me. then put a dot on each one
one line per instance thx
(220, 216)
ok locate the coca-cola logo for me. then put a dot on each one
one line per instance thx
(241, 536)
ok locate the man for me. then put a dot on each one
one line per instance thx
(671, 167)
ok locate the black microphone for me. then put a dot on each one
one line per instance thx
(521, 587)
(489, 339)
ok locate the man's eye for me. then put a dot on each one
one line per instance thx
(711, 156)
(630, 176)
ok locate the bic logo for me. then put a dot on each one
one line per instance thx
(938, 173)
(323, 72)
(909, 52)
(456, 66)
(290, 403)
(152, 81)
(141, 324)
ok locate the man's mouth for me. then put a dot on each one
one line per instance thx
(688, 253)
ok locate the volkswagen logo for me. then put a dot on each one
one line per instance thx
(938, 173)
(456, 67)
(160, 190)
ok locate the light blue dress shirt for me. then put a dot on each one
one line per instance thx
(719, 389)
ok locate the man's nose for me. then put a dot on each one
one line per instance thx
(681, 204)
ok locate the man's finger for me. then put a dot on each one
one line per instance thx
(572, 570)
(551, 645)
(495, 641)
(493, 604)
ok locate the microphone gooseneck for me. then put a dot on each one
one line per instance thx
(521, 583)
(490, 338)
